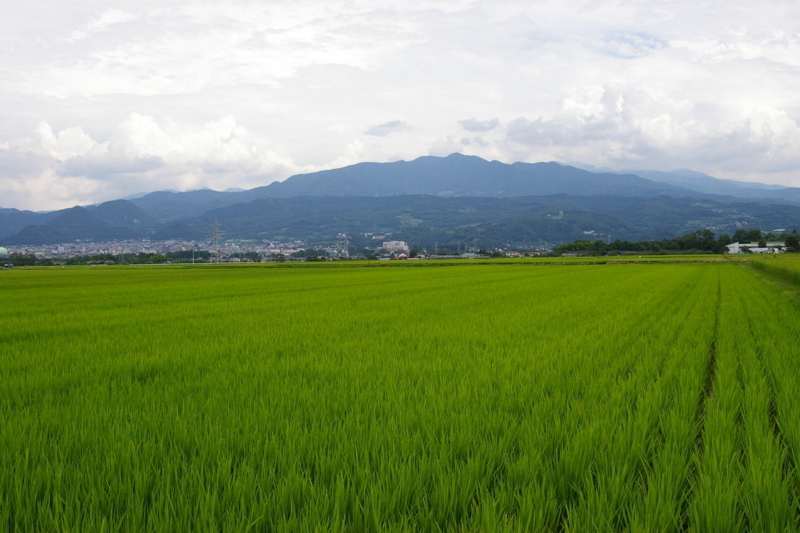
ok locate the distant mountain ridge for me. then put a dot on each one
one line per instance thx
(707, 184)
(454, 175)
(703, 183)
(461, 175)
(499, 197)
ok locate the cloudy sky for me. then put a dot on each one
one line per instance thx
(104, 99)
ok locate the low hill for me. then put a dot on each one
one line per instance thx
(37, 235)
(14, 220)
(69, 225)
(123, 213)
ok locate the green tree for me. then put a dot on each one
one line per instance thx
(747, 235)
(20, 259)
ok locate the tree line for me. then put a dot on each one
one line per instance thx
(703, 240)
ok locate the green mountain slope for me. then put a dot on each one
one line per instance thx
(529, 220)
(123, 213)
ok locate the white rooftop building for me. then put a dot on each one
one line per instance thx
(395, 246)
(772, 247)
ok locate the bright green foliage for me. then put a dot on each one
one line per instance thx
(475, 398)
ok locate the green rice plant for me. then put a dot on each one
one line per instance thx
(783, 266)
(716, 487)
(767, 336)
(642, 480)
(347, 398)
(765, 487)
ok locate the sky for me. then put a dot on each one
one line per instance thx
(105, 99)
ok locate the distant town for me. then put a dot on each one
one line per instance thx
(235, 251)
(218, 250)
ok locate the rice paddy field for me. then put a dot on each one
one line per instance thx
(628, 397)
(785, 267)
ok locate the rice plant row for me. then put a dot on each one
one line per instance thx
(593, 398)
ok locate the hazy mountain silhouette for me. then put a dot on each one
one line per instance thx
(440, 198)
(454, 175)
(703, 183)
(461, 175)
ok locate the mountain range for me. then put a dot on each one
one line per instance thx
(431, 199)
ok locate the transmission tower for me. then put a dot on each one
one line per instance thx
(345, 246)
(216, 235)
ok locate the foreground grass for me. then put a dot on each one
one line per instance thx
(643, 397)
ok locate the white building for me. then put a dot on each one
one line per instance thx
(395, 246)
(772, 247)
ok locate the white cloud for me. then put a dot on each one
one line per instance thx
(618, 127)
(479, 125)
(631, 44)
(101, 23)
(135, 96)
(382, 130)
(776, 46)
(141, 154)
(446, 146)
(68, 143)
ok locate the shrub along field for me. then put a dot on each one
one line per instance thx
(655, 397)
